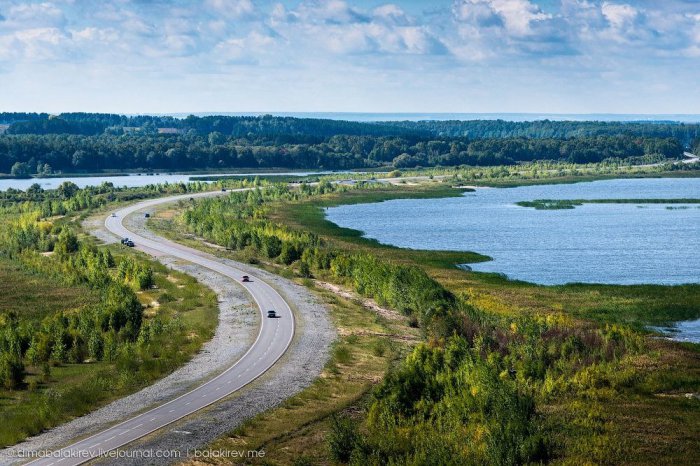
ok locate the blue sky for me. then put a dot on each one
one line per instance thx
(164, 56)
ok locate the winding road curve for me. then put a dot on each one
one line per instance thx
(273, 339)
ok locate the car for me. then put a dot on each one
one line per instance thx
(245, 278)
(124, 240)
(271, 315)
(129, 243)
(223, 190)
(114, 215)
(147, 215)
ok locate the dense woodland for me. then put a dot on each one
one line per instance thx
(39, 144)
(482, 129)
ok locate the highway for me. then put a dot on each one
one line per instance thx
(274, 337)
(690, 158)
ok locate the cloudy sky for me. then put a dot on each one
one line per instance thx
(554, 56)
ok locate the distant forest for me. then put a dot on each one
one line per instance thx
(80, 142)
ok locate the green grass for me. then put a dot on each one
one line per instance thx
(556, 204)
(311, 216)
(32, 296)
(75, 389)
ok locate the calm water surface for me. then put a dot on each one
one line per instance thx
(130, 181)
(686, 331)
(594, 243)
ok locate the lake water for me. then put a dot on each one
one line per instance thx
(593, 243)
(130, 181)
(686, 331)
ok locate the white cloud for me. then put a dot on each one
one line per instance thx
(619, 15)
(243, 50)
(392, 14)
(515, 16)
(24, 15)
(232, 8)
(177, 38)
(40, 44)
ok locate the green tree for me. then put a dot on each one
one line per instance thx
(342, 438)
(67, 189)
(20, 170)
(35, 189)
(67, 242)
(11, 371)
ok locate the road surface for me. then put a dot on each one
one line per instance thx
(691, 158)
(274, 337)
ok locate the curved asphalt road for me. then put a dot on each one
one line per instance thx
(273, 340)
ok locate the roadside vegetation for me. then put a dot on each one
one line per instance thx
(81, 325)
(507, 372)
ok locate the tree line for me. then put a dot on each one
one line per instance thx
(26, 155)
(271, 126)
(685, 133)
(238, 126)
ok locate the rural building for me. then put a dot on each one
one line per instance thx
(169, 131)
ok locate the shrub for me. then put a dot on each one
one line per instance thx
(343, 438)
(11, 371)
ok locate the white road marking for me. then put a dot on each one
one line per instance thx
(259, 290)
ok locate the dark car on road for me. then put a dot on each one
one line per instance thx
(129, 243)
(245, 278)
(272, 314)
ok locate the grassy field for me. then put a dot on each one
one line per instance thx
(33, 296)
(557, 204)
(55, 394)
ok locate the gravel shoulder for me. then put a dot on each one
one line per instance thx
(236, 330)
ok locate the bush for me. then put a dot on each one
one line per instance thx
(342, 438)
(11, 371)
